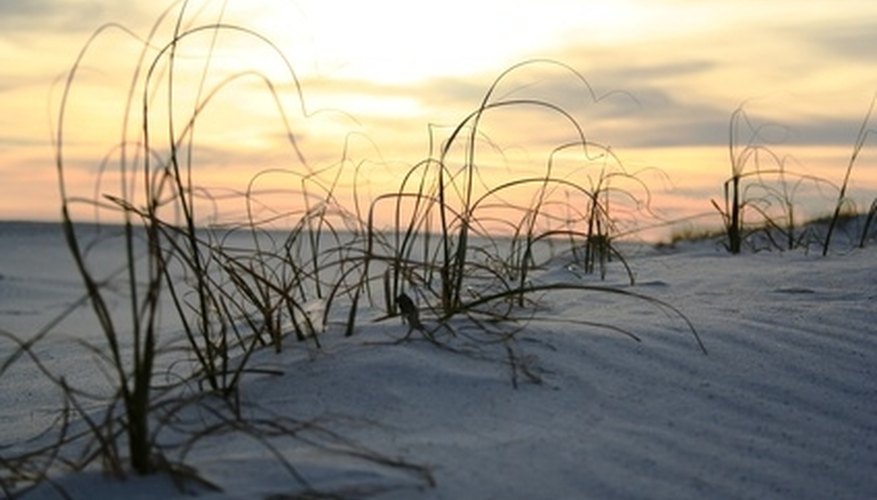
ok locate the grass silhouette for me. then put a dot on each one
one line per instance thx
(440, 261)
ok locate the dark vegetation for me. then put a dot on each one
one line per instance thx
(457, 249)
(761, 196)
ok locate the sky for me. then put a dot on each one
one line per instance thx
(378, 80)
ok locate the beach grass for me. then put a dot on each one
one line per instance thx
(457, 248)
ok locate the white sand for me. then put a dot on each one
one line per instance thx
(784, 405)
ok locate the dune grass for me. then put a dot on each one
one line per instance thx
(761, 196)
(227, 303)
(457, 250)
(842, 202)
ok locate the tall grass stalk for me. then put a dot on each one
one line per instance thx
(866, 227)
(134, 386)
(861, 138)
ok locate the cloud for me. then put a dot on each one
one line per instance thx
(646, 106)
(855, 40)
(628, 109)
(21, 19)
(10, 9)
(634, 105)
(24, 18)
(21, 142)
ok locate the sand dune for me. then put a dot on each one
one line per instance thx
(783, 406)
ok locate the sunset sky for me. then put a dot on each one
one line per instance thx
(673, 70)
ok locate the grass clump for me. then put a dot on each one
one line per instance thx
(760, 197)
(465, 245)
(195, 309)
(461, 245)
(567, 199)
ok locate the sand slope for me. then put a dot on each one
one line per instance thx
(783, 406)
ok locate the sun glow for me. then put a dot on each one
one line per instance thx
(399, 76)
(396, 41)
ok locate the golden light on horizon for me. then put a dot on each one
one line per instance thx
(380, 76)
